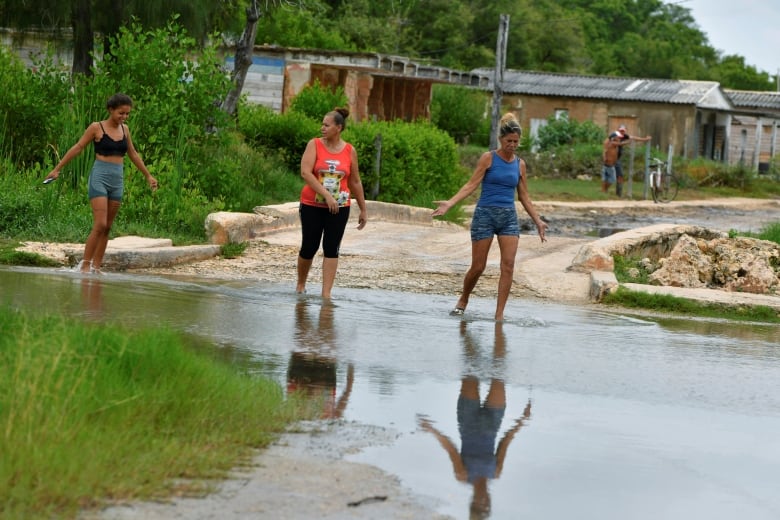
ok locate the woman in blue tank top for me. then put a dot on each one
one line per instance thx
(111, 139)
(500, 173)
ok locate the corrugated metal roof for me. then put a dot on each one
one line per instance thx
(752, 99)
(706, 94)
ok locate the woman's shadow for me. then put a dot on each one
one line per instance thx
(312, 370)
(479, 460)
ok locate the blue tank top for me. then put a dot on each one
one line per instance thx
(107, 146)
(500, 183)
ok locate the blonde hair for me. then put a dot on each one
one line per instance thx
(509, 125)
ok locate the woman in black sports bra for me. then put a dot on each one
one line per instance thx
(111, 138)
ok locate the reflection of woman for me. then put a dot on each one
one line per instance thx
(312, 369)
(92, 296)
(478, 423)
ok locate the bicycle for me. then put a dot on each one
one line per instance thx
(663, 183)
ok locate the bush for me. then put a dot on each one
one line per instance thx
(30, 107)
(565, 162)
(562, 131)
(315, 100)
(286, 134)
(462, 113)
(417, 158)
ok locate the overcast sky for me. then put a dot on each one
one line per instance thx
(749, 28)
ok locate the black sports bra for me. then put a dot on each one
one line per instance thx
(107, 146)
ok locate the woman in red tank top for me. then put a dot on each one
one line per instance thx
(330, 168)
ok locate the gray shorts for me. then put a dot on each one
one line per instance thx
(490, 221)
(106, 180)
(608, 174)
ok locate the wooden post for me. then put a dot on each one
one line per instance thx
(377, 165)
(498, 81)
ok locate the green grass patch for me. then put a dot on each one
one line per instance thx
(630, 269)
(233, 250)
(94, 412)
(10, 256)
(665, 303)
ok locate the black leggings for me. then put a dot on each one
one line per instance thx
(320, 224)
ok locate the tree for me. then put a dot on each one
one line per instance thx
(732, 72)
(243, 58)
(85, 18)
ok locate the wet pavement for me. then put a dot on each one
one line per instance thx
(579, 412)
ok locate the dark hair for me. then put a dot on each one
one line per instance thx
(339, 115)
(118, 100)
(509, 125)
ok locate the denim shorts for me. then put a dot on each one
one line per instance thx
(489, 221)
(106, 180)
(608, 174)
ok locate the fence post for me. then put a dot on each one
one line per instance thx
(377, 165)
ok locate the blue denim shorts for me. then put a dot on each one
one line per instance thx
(490, 221)
(106, 180)
(608, 174)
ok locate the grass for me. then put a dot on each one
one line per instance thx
(9, 256)
(91, 413)
(684, 307)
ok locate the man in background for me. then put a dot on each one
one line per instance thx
(623, 139)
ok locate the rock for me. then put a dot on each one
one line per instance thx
(225, 227)
(739, 264)
(601, 284)
(686, 266)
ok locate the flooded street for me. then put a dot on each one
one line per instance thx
(576, 412)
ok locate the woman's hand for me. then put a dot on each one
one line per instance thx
(52, 175)
(443, 207)
(541, 228)
(152, 183)
(362, 219)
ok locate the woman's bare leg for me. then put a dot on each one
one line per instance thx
(99, 219)
(304, 266)
(479, 254)
(329, 268)
(508, 246)
(102, 240)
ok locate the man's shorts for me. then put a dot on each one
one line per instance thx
(489, 221)
(608, 174)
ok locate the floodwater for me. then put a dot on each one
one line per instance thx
(586, 413)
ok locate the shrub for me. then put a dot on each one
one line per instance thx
(286, 133)
(316, 100)
(462, 113)
(30, 103)
(562, 131)
(416, 158)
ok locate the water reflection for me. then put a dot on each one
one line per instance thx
(479, 422)
(312, 369)
(92, 297)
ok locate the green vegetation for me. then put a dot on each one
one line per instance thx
(663, 303)
(90, 412)
(233, 250)
(649, 38)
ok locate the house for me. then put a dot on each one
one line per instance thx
(378, 86)
(691, 117)
(754, 128)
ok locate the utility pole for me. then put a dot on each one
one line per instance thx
(498, 80)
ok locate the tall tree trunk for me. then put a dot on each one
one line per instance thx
(243, 58)
(83, 38)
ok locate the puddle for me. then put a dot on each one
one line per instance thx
(601, 415)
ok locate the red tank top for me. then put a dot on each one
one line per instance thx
(332, 170)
